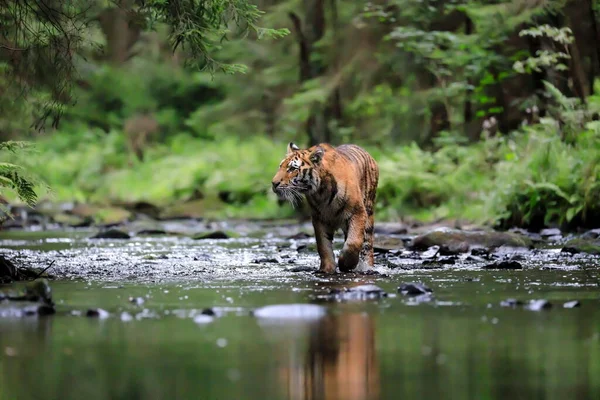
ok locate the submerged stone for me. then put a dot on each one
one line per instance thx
(572, 304)
(211, 235)
(203, 319)
(97, 313)
(111, 234)
(20, 309)
(511, 303)
(357, 293)
(414, 289)
(538, 305)
(39, 291)
(506, 264)
(462, 241)
(290, 312)
(138, 301)
(209, 311)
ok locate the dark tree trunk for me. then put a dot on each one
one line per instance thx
(307, 36)
(468, 112)
(594, 38)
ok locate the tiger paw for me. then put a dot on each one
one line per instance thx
(348, 261)
(327, 268)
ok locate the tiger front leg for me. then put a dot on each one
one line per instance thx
(324, 238)
(355, 237)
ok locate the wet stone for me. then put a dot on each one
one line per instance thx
(151, 232)
(390, 228)
(97, 313)
(138, 301)
(572, 304)
(290, 312)
(458, 240)
(357, 293)
(413, 289)
(20, 309)
(511, 303)
(301, 268)
(550, 232)
(202, 319)
(506, 264)
(211, 235)
(111, 234)
(299, 236)
(266, 261)
(576, 246)
(441, 261)
(539, 305)
(208, 311)
(591, 234)
(480, 251)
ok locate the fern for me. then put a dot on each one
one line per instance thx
(15, 177)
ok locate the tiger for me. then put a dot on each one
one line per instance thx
(340, 185)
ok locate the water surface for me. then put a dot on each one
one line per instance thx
(460, 345)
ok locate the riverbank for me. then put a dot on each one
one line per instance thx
(529, 180)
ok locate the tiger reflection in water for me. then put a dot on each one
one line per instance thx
(340, 362)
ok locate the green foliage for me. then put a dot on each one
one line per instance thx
(14, 177)
(201, 26)
(562, 37)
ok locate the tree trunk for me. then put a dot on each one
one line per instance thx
(307, 36)
(468, 111)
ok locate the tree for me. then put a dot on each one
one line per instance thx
(41, 41)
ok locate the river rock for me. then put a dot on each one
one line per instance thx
(202, 319)
(572, 304)
(591, 234)
(357, 293)
(20, 309)
(8, 270)
(301, 268)
(74, 221)
(390, 228)
(539, 305)
(582, 245)
(414, 289)
(299, 236)
(511, 303)
(290, 312)
(97, 313)
(505, 264)
(138, 301)
(105, 216)
(462, 241)
(552, 234)
(39, 291)
(111, 234)
(145, 208)
(211, 235)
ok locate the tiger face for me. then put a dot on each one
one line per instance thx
(298, 173)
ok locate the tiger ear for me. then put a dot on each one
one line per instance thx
(291, 148)
(317, 155)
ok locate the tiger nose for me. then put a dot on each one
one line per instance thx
(275, 184)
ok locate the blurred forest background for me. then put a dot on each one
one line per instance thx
(479, 110)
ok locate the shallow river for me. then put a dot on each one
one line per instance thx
(462, 344)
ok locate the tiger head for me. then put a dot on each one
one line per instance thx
(298, 173)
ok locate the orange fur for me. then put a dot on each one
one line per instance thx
(339, 184)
